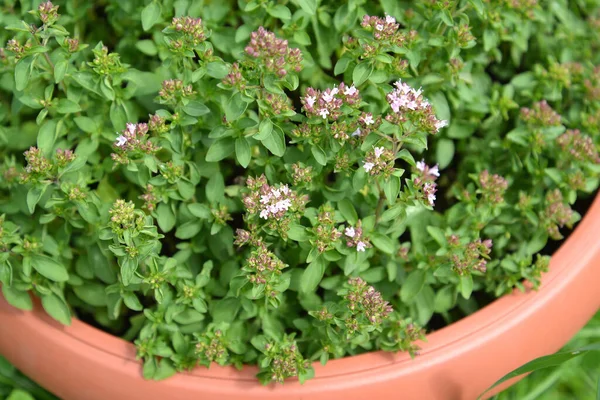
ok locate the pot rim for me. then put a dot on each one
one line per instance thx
(502, 315)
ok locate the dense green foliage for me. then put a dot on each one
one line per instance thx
(289, 181)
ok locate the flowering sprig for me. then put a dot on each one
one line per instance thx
(379, 161)
(556, 214)
(328, 104)
(271, 202)
(355, 237)
(273, 53)
(281, 360)
(425, 181)
(408, 104)
(132, 143)
(325, 232)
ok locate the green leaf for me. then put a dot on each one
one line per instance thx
(297, 232)
(413, 285)
(66, 106)
(188, 230)
(341, 65)
(215, 188)
(34, 195)
(165, 217)
(46, 137)
(445, 152)
(220, 149)
(128, 268)
(150, 15)
(132, 302)
(242, 151)
(86, 124)
(92, 293)
(275, 142)
(217, 69)
(348, 212)
(308, 6)
(391, 188)
(196, 108)
(60, 69)
(18, 394)
(280, 11)
(17, 298)
(200, 210)
(235, 107)
(23, 73)
(383, 243)
(319, 154)
(545, 362)
(362, 72)
(57, 308)
(466, 286)
(49, 268)
(264, 129)
(312, 275)
(437, 234)
(147, 47)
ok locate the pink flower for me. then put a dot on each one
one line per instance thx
(310, 100)
(357, 132)
(323, 112)
(350, 91)
(350, 232)
(368, 119)
(379, 151)
(368, 166)
(361, 246)
(121, 140)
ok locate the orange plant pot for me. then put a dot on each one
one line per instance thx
(457, 362)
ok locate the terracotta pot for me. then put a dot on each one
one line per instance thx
(457, 362)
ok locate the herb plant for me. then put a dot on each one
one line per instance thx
(272, 183)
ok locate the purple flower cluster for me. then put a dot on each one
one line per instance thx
(379, 161)
(425, 180)
(405, 100)
(270, 202)
(327, 104)
(383, 28)
(355, 238)
(492, 187)
(473, 257)
(132, 141)
(365, 300)
(556, 214)
(540, 114)
(580, 147)
(191, 28)
(274, 53)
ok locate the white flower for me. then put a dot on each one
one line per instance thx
(379, 151)
(421, 165)
(285, 189)
(264, 214)
(379, 27)
(310, 100)
(328, 95)
(361, 246)
(435, 171)
(368, 166)
(390, 20)
(276, 193)
(265, 198)
(323, 112)
(121, 140)
(368, 120)
(334, 91)
(357, 132)
(131, 127)
(440, 124)
(349, 91)
(350, 232)
(431, 198)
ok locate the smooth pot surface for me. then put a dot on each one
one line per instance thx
(458, 362)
